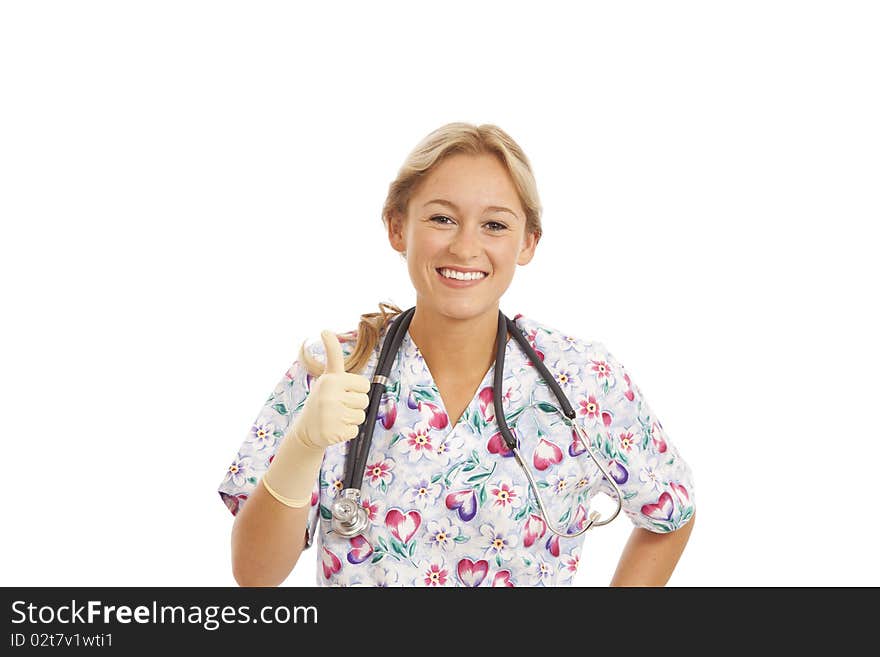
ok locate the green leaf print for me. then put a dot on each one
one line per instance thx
(383, 487)
(475, 457)
(482, 495)
(477, 477)
(565, 517)
(281, 408)
(630, 495)
(521, 513)
(436, 478)
(252, 480)
(278, 433)
(498, 560)
(397, 547)
(460, 539)
(395, 439)
(548, 408)
(412, 548)
(325, 512)
(378, 557)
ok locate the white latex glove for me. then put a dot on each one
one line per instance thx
(332, 414)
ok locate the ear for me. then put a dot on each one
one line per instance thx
(527, 250)
(396, 235)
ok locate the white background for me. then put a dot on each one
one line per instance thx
(176, 179)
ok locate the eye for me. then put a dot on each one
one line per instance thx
(499, 226)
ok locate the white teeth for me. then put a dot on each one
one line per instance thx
(470, 276)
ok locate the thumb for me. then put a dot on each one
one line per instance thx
(335, 359)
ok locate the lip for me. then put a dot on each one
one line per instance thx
(454, 283)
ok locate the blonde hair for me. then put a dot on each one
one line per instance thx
(450, 139)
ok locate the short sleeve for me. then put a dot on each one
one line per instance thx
(261, 441)
(656, 482)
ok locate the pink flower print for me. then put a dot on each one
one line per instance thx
(589, 408)
(314, 499)
(442, 535)
(502, 578)
(417, 442)
(463, 501)
(601, 369)
(360, 550)
(263, 435)
(435, 417)
(472, 573)
(681, 493)
(379, 473)
(374, 509)
(627, 440)
(497, 444)
(546, 454)
(329, 562)
(487, 403)
(388, 411)
(506, 496)
(657, 438)
(661, 510)
(435, 576)
(570, 565)
(534, 529)
(403, 526)
(497, 544)
(234, 502)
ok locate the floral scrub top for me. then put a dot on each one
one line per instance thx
(449, 505)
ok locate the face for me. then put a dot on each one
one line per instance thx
(465, 215)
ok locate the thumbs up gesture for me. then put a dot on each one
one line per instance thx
(335, 406)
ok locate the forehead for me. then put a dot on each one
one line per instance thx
(469, 181)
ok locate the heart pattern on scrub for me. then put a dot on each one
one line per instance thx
(329, 562)
(360, 549)
(546, 454)
(403, 526)
(472, 573)
(463, 501)
(662, 510)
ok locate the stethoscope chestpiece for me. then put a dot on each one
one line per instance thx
(349, 517)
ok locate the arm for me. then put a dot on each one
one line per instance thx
(649, 558)
(267, 539)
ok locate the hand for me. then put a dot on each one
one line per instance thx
(335, 406)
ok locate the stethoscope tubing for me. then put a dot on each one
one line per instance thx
(354, 467)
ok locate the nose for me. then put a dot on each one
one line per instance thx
(466, 243)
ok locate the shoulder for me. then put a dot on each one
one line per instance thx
(549, 338)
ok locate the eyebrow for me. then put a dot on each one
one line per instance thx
(501, 208)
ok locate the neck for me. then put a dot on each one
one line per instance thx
(455, 347)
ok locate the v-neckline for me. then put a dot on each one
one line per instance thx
(412, 349)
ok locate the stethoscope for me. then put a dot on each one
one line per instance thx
(350, 518)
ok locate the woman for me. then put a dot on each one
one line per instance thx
(446, 504)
